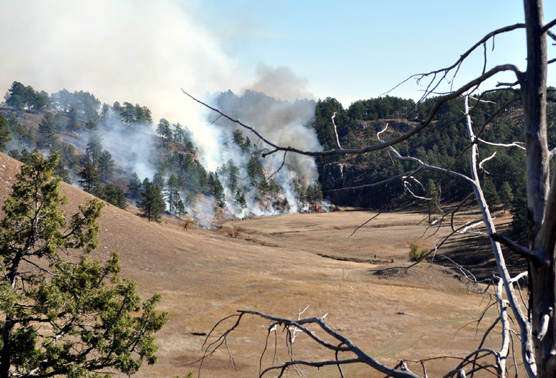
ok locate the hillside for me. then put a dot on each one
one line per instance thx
(273, 266)
(211, 166)
(205, 169)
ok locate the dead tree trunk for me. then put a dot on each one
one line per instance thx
(540, 195)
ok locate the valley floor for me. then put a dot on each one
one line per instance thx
(282, 266)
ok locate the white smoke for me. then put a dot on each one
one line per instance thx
(281, 83)
(206, 137)
(284, 123)
(134, 154)
(139, 51)
(276, 106)
(143, 52)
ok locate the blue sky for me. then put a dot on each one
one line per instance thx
(144, 51)
(360, 49)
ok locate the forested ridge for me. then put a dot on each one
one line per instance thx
(503, 175)
(78, 126)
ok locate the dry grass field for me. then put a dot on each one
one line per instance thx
(282, 265)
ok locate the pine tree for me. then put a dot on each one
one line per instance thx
(64, 317)
(47, 129)
(318, 192)
(240, 199)
(94, 149)
(73, 124)
(233, 176)
(16, 128)
(179, 208)
(89, 179)
(172, 194)
(215, 187)
(164, 131)
(433, 204)
(62, 172)
(4, 133)
(490, 192)
(158, 178)
(310, 194)
(152, 202)
(105, 166)
(113, 195)
(16, 96)
(254, 171)
(134, 187)
(238, 139)
(506, 194)
(61, 123)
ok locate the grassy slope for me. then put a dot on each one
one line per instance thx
(206, 275)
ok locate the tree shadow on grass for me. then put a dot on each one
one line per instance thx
(474, 253)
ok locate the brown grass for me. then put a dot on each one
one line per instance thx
(276, 265)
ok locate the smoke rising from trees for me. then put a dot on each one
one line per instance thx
(144, 52)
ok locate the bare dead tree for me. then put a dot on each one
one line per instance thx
(535, 321)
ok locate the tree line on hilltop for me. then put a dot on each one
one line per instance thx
(502, 177)
(78, 127)
(178, 176)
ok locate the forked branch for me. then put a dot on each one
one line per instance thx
(442, 73)
(472, 362)
(355, 151)
(344, 345)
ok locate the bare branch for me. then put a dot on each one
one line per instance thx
(514, 144)
(421, 163)
(211, 348)
(460, 205)
(381, 131)
(505, 347)
(489, 330)
(522, 320)
(517, 248)
(482, 129)
(519, 276)
(464, 56)
(544, 325)
(502, 84)
(386, 181)
(463, 229)
(336, 130)
(354, 151)
(318, 364)
(364, 223)
(348, 346)
(546, 28)
(406, 187)
(479, 99)
(473, 359)
(485, 160)
(279, 168)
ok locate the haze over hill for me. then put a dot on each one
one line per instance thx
(206, 167)
(214, 168)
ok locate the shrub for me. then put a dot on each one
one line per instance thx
(416, 253)
(189, 221)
